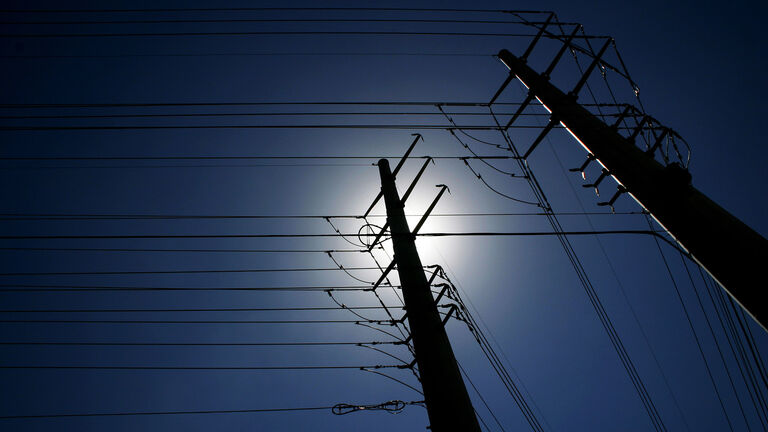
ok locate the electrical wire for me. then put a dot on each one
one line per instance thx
(255, 309)
(267, 270)
(693, 331)
(70, 216)
(72, 288)
(177, 368)
(223, 344)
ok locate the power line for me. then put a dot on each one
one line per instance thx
(65, 321)
(262, 309)
(247, 54)
(43, 249)
(421, 234)
(261, 126)
(264, 270)
(246, 114)
(96, 216)
(269, 20)
(199, 367)
(147, 413)
(252, 103)
(270, 9)
(159, 158)
(70, 288)
(289, 33)
(223, 344)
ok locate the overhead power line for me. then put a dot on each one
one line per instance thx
(264, 270)
(271, 20)
(274, 309)
(237, 411)
(73, 288)
(253, 368)
(269, 9)
(422, 234)
(223, 344)
(290, 33)
(97, 216)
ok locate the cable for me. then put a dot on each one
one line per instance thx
(585, 282)
(621, 288)
(693, 330)
(71, 288)
(732, 339)
(66, 216)
(415, 126)
(148, 413)
(319, 308)
(496, 191)
(262, 20)
(177, 250)
(288, 270)
(247, 54)
(198, 367)
(227, 344)
(279, 33)
(482, 399)
(251, 103)
(714, 338)
(10, 321)
(421, 234)
(266, 9)
(244, 114)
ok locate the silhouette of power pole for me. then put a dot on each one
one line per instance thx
(448, 405)
(728, 249)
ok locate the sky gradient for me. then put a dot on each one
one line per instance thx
(697, 72)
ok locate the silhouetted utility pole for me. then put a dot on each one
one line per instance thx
(734, 254)
(448, 404)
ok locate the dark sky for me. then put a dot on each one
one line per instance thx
(136, 90)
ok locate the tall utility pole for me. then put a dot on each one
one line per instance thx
(445, 395)
(733, 253)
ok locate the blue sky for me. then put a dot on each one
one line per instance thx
(697, 70)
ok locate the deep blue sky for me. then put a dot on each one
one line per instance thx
(697, 69)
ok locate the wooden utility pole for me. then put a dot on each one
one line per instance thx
(448, 404)
(729, 250)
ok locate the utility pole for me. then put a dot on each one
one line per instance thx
(448, 405)
(733, 253)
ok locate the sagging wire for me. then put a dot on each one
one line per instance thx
(450, 119)
(411, 366)
(396, 380)
(463, 132)
(345, 307)
(466, 146)
(341, 267)
(480, 177)
(328, 219)
(386, 280)
(364, 345)
(403, 331)
(393, 336)
(369, 233)
(392, 407)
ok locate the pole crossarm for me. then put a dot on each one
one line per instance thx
(448, 405)
(728, 249)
